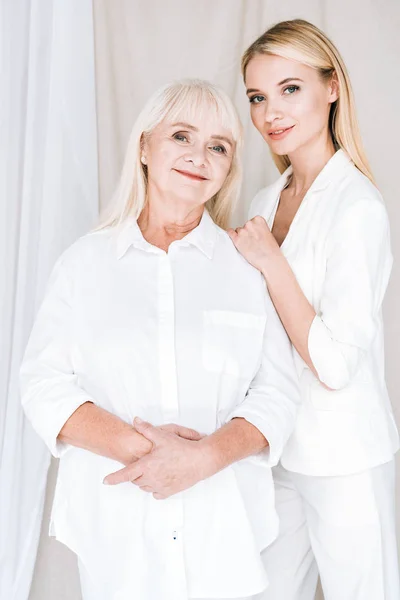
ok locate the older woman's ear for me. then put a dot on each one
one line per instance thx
(143, 149)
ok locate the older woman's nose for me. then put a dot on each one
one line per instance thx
(197, 156)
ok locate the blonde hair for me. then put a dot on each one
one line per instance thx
(300, 40)
(177, 101)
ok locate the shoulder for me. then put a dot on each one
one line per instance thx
(358, 200)
(91, 248)
(234, 263)
(360, 219)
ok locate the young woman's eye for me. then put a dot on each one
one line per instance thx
(219, 149)
(256, 99)
(291, 89)
(181, 137)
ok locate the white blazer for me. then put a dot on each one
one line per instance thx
(339, 249)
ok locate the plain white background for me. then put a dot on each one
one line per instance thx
(141, 45)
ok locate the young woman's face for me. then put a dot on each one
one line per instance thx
(189, 161)
(289, 102)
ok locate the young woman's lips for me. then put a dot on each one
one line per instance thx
(191, 175)
(278, 134)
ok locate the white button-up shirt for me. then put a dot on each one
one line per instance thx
(338, 247)
(190, 337)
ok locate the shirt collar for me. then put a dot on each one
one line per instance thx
(329, 174)
(202, 237)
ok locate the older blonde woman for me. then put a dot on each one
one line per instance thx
(156, 315)
(320, 236)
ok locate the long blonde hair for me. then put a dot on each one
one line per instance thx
(177, 101)
(302, 41)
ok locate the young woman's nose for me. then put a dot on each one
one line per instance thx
(273, 111)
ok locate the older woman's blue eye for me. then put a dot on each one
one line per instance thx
(180, 137)
(256, 99)
(219, 149)
(291, 89)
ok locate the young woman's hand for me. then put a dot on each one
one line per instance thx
(255, 242)
(174, 464)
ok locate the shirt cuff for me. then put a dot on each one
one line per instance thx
(49, 431)
(269, 456)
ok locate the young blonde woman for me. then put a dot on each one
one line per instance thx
(156, 315)
(320, 237)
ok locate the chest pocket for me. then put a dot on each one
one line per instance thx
(232, 342)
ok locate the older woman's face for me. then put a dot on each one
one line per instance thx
(189, 161)
(289, 103)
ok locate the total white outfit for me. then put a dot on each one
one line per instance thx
(335, 489)
(189, 337)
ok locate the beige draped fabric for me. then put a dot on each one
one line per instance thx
(157, 43)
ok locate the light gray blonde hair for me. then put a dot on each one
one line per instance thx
(302, 41)
(177, 101)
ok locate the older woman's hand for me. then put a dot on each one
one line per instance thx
(173, 465)
(184, 432)
(255, 242)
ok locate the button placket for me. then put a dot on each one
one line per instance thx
(170, 408)
(167, 359)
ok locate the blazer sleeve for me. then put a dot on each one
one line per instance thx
(359, 262)
(50, 393)
(273, 398)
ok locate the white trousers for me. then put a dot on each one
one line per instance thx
(342, 527)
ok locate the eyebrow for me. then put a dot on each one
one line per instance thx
(213, 137)
(286, 80)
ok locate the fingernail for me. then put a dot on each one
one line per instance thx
(105, 482)
(138, 420)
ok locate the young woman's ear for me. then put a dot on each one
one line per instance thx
(333, 88)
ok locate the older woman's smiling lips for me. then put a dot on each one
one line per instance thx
(191, 175)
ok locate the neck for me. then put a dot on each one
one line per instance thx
(163, 220)
(308, 162)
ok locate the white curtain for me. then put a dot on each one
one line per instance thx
(48, 198)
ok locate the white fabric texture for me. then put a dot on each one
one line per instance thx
(339, 249)
(91, 591)
(189, 337)
(48, 198)
(345, 525)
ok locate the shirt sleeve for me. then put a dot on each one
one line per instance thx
(272, 401)
(49, 390)
(357, 274)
